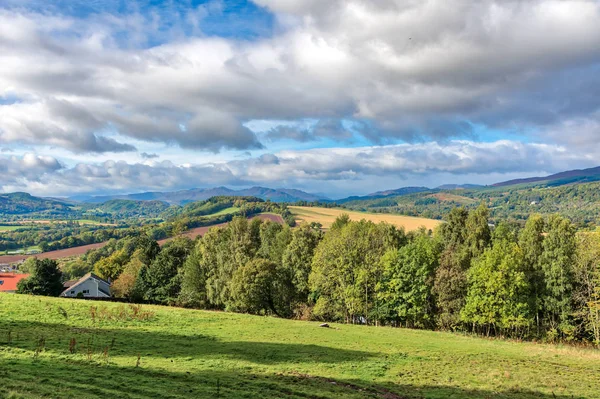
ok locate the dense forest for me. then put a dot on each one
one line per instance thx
(537, 281)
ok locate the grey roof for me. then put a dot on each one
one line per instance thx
(84, 278)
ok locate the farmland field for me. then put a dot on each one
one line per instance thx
(56, 347)
(326, 216)
(10, 228)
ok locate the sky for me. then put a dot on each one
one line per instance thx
(332, 97)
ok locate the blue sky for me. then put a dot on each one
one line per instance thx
(338, 97)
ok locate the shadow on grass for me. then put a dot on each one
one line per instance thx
(156, 344)
(45, 377)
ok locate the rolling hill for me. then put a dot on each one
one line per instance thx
(53, 347)
(199, 194)
(22, 203)
(567, 177)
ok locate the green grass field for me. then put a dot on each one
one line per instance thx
(52, 347)
(32, 249)
(10, 228)
(226, 211)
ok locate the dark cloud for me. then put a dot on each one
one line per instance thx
(409, 70)
(324, 129)
(146, 155)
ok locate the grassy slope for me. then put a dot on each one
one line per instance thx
(326, 216)
(197, 354)
(226, 211)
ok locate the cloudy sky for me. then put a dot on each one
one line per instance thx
(334, 97)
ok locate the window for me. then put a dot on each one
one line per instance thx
(86, 291)
(72, 292)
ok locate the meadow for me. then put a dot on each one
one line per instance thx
(10, 228)
(326, 216)
(226, 211)
(56, 347)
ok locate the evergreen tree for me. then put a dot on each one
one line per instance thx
(45, 279)
(193, 284)
(161, 281)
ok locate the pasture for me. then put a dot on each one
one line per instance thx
(56, 347)
(326, 216)
(10, 227)
(226, 211)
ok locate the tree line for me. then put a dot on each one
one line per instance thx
(537, 281)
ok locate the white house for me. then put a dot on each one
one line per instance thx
(89, 286)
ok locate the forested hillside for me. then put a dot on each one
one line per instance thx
(22, 203)
(578, 202)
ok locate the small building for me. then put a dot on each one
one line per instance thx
(89, 286)
(8, 281)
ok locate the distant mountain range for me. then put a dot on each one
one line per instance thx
(153, 203)
(570, 176)
(198, 194)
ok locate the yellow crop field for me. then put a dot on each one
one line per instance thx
(326, 216)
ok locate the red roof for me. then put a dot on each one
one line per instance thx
(8, 281)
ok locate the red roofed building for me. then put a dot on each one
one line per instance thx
(8, 281)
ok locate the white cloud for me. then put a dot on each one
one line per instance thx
(424, 72)
(413, 69)
(328, 169)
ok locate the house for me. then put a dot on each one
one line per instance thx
(8, 281)
(89, 286)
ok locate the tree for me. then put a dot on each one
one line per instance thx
(223, 251)
(453, 233)
(124, 285)
(257, 288)
(161, 281)
(346, 270)
(340, 221)
(407, 282)
(557, 267)
(498, 290)
(110, 268)
(45, 279)
(531, 242)
(193, 285)
(296, 261)
(450, 284)
(274, 239)
(478, 236)
(586, 290)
